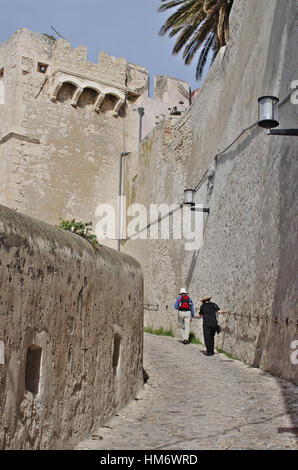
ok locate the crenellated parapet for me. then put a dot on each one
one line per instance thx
(107, 79)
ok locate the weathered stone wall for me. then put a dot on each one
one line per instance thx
(64, 122)
(170, 95)
(71, 334)
(249, 257)
(58, 153)
(156, 175)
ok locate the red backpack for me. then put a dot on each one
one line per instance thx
(184, 303)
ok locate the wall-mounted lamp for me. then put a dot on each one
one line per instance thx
(189, 196)
(189, 201)
(268, 112)
(268, 116)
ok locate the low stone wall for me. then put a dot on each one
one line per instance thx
(71, 334)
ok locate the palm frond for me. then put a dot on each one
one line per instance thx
(185, 15)
(185, 35)
(170, 4)
(209, 6)
(200, 25)
(204, 55)
(197, 41)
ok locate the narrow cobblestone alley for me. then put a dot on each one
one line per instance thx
(194, 402)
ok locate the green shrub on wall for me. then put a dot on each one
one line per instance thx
(80, 228)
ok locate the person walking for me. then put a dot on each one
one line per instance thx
(208, 312)
(184, 305)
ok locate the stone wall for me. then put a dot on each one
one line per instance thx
(71, 334)
(156, 175)
(56, 149)
(64, 121)
(248, 180)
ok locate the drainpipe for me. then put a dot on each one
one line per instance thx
(122, 155)
(141, 114)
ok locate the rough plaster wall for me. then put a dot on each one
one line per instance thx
(58, 158)
(168, 93)
(248, 262)
(60, 295)
(137, 78)
(64, 175)
(156, 176)
(172, 91)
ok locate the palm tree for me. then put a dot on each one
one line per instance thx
(201, 24)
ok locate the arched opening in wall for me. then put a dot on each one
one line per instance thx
(32, 371)
(122, 111)
(116, 352)
(109, 103)
(87, 98)
(66, 92)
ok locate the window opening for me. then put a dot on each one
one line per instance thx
(42, 68)
(2, 359)
(32, 374)
(116, 352)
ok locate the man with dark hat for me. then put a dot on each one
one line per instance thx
(208, 312)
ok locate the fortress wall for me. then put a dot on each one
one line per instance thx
(248, 259)
(58, 155)
(156, 175)
(71, 334)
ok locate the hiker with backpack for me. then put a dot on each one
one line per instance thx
(184, 305)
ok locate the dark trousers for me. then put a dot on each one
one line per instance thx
(209, 333)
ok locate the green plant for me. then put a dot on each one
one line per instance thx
(82, 229)
(193, 339)
(160, 331)
(230, 356)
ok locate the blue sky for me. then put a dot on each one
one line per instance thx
(122, 28)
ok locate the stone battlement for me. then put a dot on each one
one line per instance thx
(113, 76)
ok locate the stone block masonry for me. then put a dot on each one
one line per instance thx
(71, 334)
(64, 122)
(61, 126)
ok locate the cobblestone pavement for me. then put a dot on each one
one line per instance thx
(192, 402)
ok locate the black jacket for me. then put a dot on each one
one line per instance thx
(208, 310)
